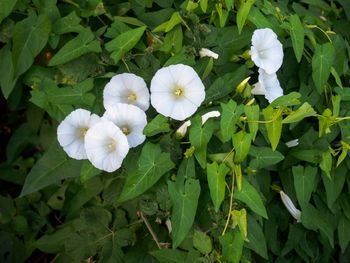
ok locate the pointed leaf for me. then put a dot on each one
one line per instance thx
(304, 180)
(157, 125)
(169, 255)
(304, 111)
(256, 238)
(297, 34)
(124, 42)
(241, 142)
(322, 62)
(76, 47)
(152, 165)
(273, 125)
(243, 12)
(264, 156)
(253, 114)
(232, 246)
(229, 117)
(216, 181)
(250, 196)
(202, 242)
(185, 203)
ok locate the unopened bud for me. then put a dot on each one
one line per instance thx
(241, 86)
(210, 114)
(204, 52)
(292, 143)
(296, 213)
(182, 130)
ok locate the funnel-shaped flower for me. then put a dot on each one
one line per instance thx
(106, 146)
(271, 85)
(177, 91)
(130, 119)
(126, 88)
(290, 206)
(266, 50)
(71, 132)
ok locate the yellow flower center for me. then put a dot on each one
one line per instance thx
(126, 130)
(178, 92)
(132, 98)
(111, 145)
(81, 132)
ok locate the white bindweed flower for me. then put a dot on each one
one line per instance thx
(210, 114)
(106, 146)
(266, 50)
(292, 143)
(204, 52)
(130, 119)
(177, 91)
(271, 85)
(71, 132)
(126, 88)
(182, 130)
(290, 206)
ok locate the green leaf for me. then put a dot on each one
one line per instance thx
(240, 218)
(344, 233)
(157, 125)
(169, 255)
(76, 47)
(151, 166)
(112, 252)
(88, 171)
(322, 62)
(216, 181)
(241, 141)
(6, 8)
(29, 38)
(130, 20)
(273, 125)
(304, 111)
(185, 203)
(124, 42)
(229, 117)
(69, 23)
(336, 77)
(290, 99)
(202, 242)
(173, 41)
(250, 196)
(253, 114)
(204, 5)
(7, 72)
(264, 156)
(224, 85)
(311, 218)
(186, 170)
(54, 243)
(199, 138)
(232, 246)
(174, 20)
(326, 163)
(54, 166)
(304, 183)
(256, 238)
(297, 34)
(243, 12)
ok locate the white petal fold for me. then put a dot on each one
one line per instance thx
(71, 132)
(126, 88)
(271, 85)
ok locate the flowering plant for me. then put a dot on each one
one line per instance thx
(175, 131)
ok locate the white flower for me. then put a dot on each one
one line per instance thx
(271, 85)
(130, 119)
(177, 91)
(182, 130)
(126, 88)
(290, 206)
(266, 51)
(210, 114)
(106, 146)
(204, 52)
(71, 132)
(292, 143)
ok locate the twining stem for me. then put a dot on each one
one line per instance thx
(325, 33)
(231, 201)
(126, 65)
(150, 230)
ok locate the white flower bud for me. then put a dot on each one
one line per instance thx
(204, 52)
(181, 132)
(292, 143)
(296, 213)
(210, 114)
